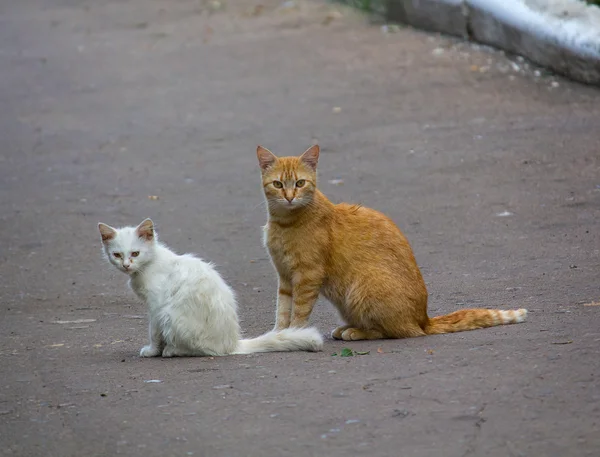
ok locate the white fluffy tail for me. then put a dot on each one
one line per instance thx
(289, 339)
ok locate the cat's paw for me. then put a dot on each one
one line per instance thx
(352, 334)
(149, 351)
(336, 334)
(356, 334)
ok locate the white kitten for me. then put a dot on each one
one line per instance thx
(192, 310)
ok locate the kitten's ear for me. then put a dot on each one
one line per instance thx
(107, 232)
(266, 158)
(310, 157)
(146, 230)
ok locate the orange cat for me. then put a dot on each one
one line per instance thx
(355, 256)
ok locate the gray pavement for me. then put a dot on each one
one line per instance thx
(494, 176)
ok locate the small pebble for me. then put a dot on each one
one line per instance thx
(216, 5)
(391, 28)
(289, 5)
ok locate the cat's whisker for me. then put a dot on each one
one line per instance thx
(263, 202)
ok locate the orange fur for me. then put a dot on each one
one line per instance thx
(355, 256)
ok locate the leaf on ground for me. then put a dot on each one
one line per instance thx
(562, 342)
(593, 303)
(346, 352)
(362, 352)
(380, 351)
(334, 354)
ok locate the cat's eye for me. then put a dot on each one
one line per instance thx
(300, 183)
(135, 253)
(278, 184)
(117, 255)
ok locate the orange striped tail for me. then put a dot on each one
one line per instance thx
(471, 319)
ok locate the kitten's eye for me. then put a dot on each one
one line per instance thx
(135, 253)
(300, 183)
(117, 255)
(278, 184)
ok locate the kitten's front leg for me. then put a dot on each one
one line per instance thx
(306, 291)
(157, 343)
(284, 304)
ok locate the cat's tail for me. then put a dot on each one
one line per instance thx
(289, 339)
(471, 319)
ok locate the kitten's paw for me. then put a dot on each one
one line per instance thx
(336, 334)
(149, 351)
(171, 351)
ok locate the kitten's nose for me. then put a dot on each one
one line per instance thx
(289, 199)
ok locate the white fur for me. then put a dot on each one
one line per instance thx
(192, 311)
(513, 316)
(289, 339)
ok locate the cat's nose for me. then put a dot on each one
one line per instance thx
(289, 199)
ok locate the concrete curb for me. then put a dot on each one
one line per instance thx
(563, 35)
(445, 16)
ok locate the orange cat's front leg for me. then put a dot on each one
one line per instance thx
(284, 304)
(306, 292)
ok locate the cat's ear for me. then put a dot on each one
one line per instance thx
(310, 157)
(145, 230)
(107, 232)
(266, 158)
